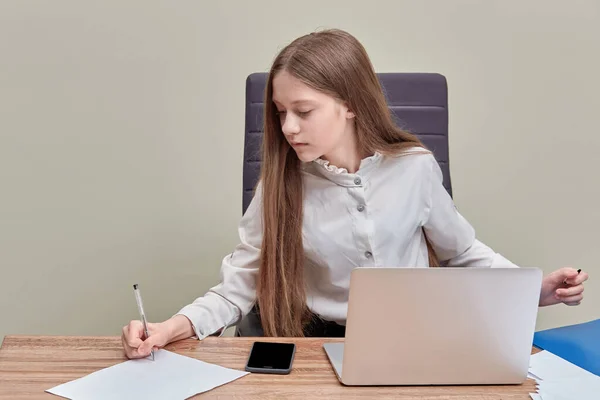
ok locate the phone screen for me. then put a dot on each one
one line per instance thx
(271, 355)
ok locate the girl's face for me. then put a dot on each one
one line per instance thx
(313, 123)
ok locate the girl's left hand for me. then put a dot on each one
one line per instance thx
(563, 286)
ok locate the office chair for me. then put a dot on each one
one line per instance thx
(419, 102)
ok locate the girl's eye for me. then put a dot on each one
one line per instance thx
(304, 113)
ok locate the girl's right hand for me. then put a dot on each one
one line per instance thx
(133, 338)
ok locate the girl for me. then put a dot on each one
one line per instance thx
(341, 187)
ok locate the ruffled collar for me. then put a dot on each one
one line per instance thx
(336, 170)
(341, 176)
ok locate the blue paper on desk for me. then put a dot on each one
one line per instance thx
(578, 344)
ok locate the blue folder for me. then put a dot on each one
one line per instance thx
(578, 344)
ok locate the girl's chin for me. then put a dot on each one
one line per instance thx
(306, 155)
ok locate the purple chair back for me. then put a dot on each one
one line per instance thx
(419, 102)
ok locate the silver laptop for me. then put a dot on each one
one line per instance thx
(438, 326)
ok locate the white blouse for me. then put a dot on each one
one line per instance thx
(372, 218)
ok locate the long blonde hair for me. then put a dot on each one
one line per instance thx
(335, 63)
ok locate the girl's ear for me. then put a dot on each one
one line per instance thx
(343, 106)
(349, 113)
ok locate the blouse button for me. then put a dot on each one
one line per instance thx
(360, 208)
(368, 254)
(357, 181)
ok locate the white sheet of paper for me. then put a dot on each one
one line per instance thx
(169, 376)
(572, 388)
(532, 376)
(549, 366)
(562, 380)
(549, 396)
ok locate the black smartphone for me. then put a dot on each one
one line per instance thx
(271, 358)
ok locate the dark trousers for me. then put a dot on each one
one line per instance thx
(251, 326)
(321, 328)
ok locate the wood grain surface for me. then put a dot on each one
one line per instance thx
(29, 365)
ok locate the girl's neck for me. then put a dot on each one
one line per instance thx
(346, 155)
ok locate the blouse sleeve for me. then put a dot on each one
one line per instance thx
(451, 236)
(226, 303)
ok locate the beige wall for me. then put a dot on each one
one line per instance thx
(121, 139)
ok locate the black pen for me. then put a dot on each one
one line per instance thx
(565, 281)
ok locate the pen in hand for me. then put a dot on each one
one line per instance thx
(578, 272)
(138, 299)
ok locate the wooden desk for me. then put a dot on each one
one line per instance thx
(31, 364)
